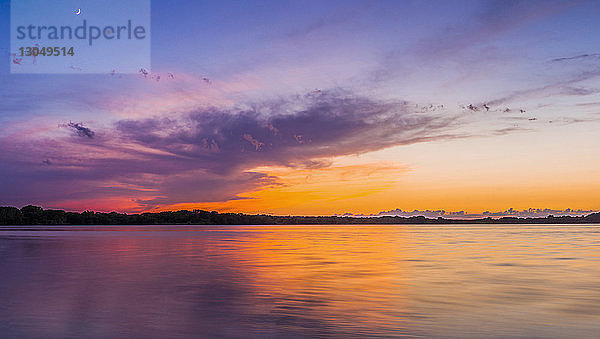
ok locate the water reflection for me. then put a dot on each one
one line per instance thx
(301, 281)
(347, 278)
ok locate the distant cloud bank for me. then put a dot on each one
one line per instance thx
(528, 213)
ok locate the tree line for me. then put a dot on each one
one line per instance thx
(35, 215)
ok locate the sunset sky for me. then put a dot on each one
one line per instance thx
(320, 108)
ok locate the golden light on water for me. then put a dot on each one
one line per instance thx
(321, 280)
(351, 278)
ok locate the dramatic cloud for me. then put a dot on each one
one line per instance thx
(286, 133)
(207, 155)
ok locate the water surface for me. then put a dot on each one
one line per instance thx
(300, 281)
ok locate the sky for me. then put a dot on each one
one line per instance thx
(319, 108)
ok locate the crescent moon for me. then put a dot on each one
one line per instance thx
(78, 11)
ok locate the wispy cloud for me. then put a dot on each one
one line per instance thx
(466, 41)
(343, 16)
(564, 87)
(578, 57)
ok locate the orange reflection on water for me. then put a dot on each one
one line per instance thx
(350, 277)
(309, 281)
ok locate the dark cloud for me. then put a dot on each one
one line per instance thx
(295, 133)
(81, 130)
(208, 155)
(578, 57)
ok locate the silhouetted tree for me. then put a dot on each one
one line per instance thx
(10, 216)
(34, 215)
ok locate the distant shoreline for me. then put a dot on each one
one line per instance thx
(34, 215)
